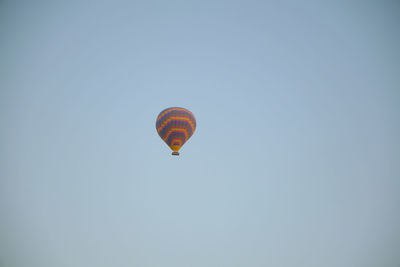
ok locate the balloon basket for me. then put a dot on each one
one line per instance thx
(175, 153)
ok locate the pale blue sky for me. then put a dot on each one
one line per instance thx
(295, 160)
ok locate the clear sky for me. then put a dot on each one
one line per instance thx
(296, 156)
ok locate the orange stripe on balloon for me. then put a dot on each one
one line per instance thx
(178, 118)
(178, 130)
(173, 109)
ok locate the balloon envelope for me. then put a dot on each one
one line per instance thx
(175, 126)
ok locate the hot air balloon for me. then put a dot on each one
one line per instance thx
(175, 126)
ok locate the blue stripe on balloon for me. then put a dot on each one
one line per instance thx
(175, 113)
(174, 135)
(176, 123)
